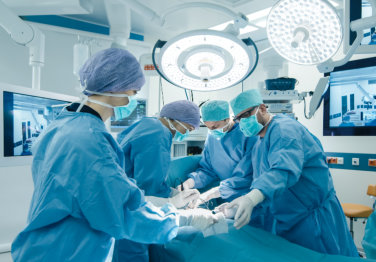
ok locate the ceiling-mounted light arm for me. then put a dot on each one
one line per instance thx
(119, 17)
(159, 44)
(249, 42)
(240, 20)
(26, 35)
(144, 11)
(356, 26)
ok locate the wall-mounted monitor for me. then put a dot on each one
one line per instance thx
(354, 10)
(137, 114)
(25, 113)
(350, 101)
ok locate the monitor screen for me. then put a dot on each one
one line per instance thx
(25, 117)
(361, 9)
(137, 114)
(350, 101)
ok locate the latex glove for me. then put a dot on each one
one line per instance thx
(206, 196)
(183, 198)
(173, 192)
(245, 205)
(227, 212)
(198, 218)
(187, 184)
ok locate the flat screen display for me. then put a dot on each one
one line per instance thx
(350, 101)
(25, 117)
(361, 9)
(137, 114)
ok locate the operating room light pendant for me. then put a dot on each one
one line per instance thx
(205, 60)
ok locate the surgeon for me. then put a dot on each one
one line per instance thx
(291, 180)
(369, 240)
(82, 197)
(224, 157)
(147, 149)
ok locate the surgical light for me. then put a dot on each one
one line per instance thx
(205, 60)
(306, 32)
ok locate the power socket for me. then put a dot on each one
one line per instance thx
(355, 162)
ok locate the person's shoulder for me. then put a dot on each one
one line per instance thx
(147, 129)
(285, 127)
(151, 126)
(81, 131)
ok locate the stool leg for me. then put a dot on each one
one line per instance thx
(351, 227)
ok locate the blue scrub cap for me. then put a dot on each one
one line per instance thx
(111, 70)
(247, 99)
(184, 111)
(215, 110)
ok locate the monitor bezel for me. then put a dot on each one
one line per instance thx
(22, 160)
(346, 131)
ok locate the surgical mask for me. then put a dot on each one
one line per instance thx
(120, 112)
(250, 126)
(179, 137)
(219, 132)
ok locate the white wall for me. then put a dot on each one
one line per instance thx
(16, 185)
(351, 185)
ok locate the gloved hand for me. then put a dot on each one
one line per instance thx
(227, 212)
(205, 197)
(188, 184)
(183, 198)
(245, 205)
(198, 218)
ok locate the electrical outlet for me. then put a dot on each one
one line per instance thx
(331, 160)
(355, 162)
(340, 160)
(372, 162)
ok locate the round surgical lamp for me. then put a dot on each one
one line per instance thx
(205, 60)
(306, 32)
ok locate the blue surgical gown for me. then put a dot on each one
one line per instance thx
(82, 198)
(290, 169)
(228, 160)
(147, 150)
(369, 240)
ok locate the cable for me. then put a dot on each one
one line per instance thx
(203, 103)
(161, 90)
(192, 95)
(242, 86)
(186, 94)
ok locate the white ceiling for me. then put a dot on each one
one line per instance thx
(175, 23)
(180, 21)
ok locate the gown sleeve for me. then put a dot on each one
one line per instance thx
(205, 174)
(151, 160)
(284, 160)
(240, 181)
(114, 204)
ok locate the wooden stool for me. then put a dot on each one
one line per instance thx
(355, 211)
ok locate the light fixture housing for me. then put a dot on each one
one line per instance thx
(306, 32)
(205, 60)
